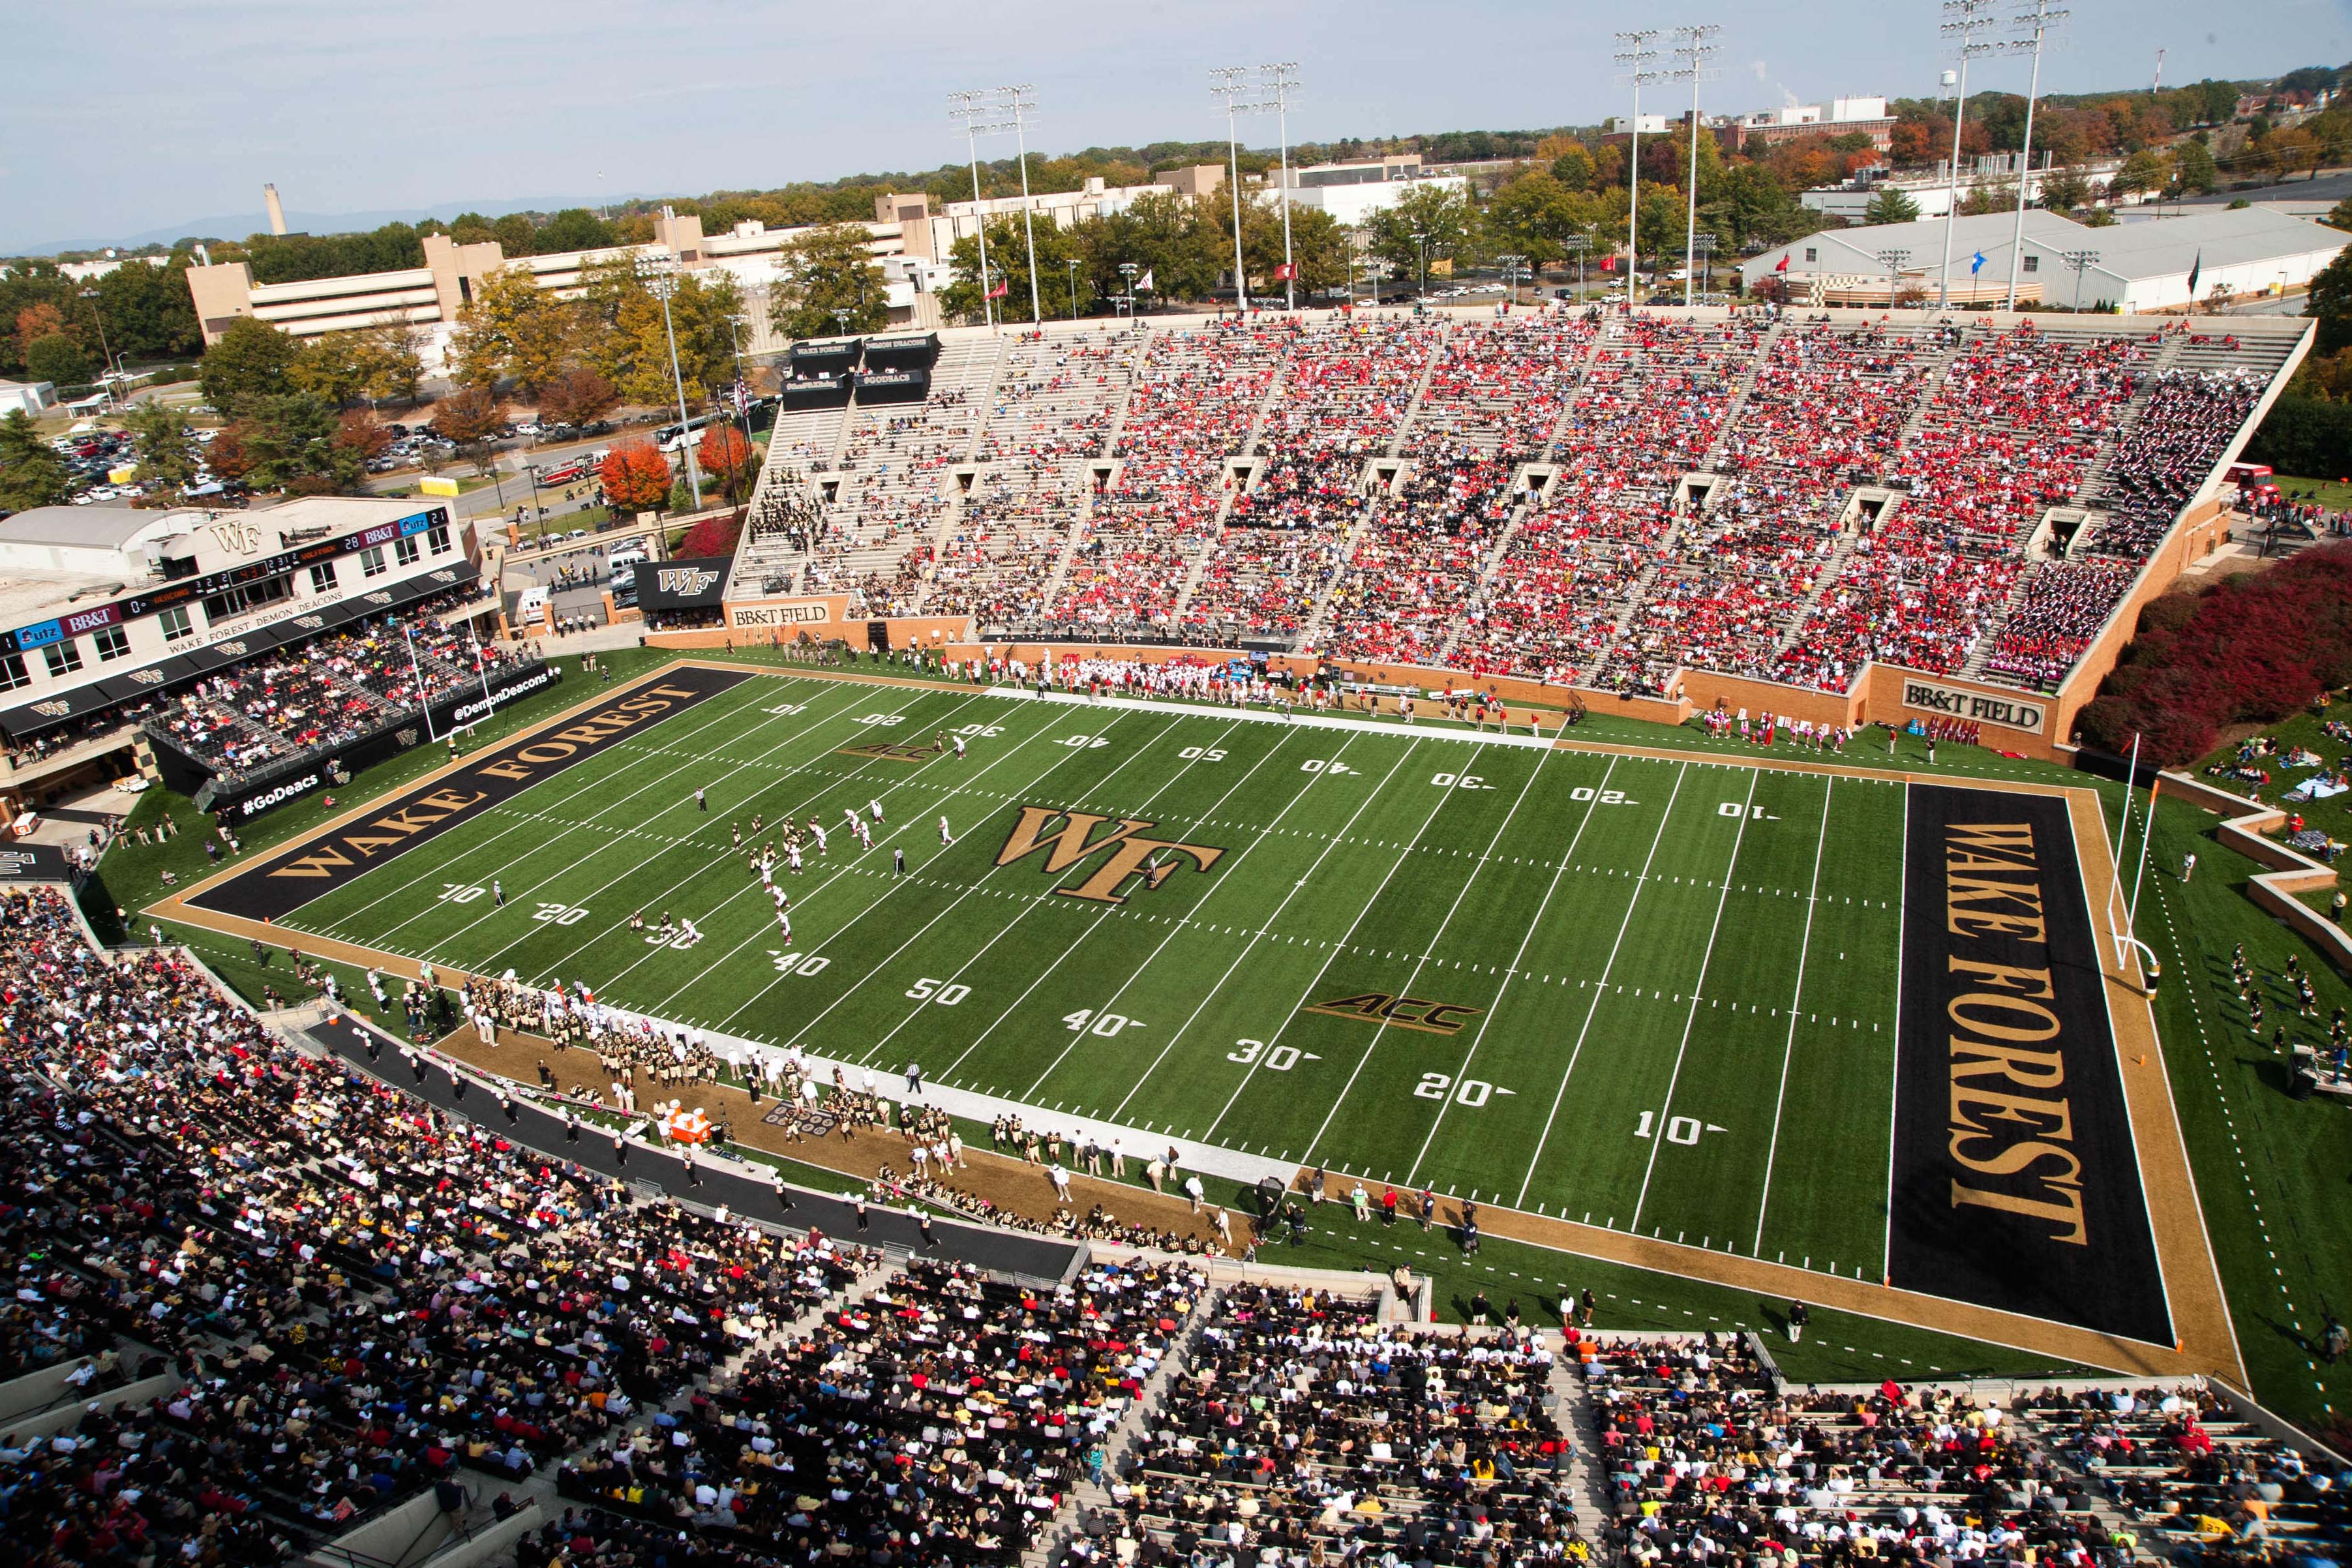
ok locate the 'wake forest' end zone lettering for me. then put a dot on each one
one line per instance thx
(1400, 1012)
(2016, 1183)
(1130, 854)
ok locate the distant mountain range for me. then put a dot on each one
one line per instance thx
(237, 225)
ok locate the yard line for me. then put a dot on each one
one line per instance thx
(1698, 988)
(953, 905)
(1180, 923)
(1268, 924)
(1422, 961)
(435, 868)
(1895, 1085)
(1274, 1039)
(1813, 902)
(1479, 1039)
(1092, 926)
(720, 856)
(662, 848)
(1601, 988)
(844, 870)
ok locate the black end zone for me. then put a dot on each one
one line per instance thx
(2016, 1185)
(276, 887)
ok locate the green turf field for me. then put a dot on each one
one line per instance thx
(1657, 994)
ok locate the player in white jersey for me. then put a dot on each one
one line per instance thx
(875, 807)
(945, 837)
(817, 831)
(958, 746)
(793, 858)
(784, 921)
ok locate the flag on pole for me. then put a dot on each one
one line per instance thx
(2196, 267)
(1143, 284)
(1783, 267)
(1285, 273)
(999, 291)
(1977, 265)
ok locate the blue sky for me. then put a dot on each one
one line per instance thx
(131, 115)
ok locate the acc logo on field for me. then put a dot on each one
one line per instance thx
(686, 581)
(1403, 1012)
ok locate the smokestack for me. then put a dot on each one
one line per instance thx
(276, 210)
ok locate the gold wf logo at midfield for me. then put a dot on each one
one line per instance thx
(1130, 854)
(1401, 1012)
(887, 752)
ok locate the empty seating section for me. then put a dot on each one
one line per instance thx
(1493, 399)
(1341, 402)
(1048, 426)
(1775, 497)
(1298, 1422)
(942, 1416)
(896, 469)
(1196, 395)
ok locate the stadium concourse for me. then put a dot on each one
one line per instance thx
(271, 1306)
(1606, 501)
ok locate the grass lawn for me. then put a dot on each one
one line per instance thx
(2334, 494)
(2303, 731)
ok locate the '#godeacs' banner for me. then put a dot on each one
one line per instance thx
(284, 882)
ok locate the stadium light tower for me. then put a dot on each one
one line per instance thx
(1693, 47)
(1229, 86)
(977, 118)
(1016, 105)
(1966, 23)
(1893, 261)
(660, 275)
(2082, 262)
(2032, 23)
(1277, 85)
(1636, 60)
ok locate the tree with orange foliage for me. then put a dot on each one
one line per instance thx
(363, 434)
(35, 322)
(725, 456)
(635, 477)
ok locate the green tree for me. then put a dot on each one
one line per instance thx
(2064, 190)
(826, 271)
(2340, 215)
(251, 361)
(1574, 169)
(512, 328)
(2194, 173)
(329, 366)
(2100, 217)
(31, 472)
(57, 358)
(2330, 302)
(1891, 205)
(625, 336)
(290, 440)
(1754, 207)
(147, 311)
(2000, 196)
(2139, 174)
(1444, 216)
(1537, 214)
(392, 361)
(573, 228)
(166, 451)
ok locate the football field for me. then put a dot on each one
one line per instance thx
(1656, 995)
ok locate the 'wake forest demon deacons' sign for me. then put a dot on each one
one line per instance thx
(1130, 854)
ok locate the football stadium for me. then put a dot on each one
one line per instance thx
(1444, 933)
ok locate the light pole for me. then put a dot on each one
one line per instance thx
(536, 515)
(99, 316)
(1128, 269)
(1893, 261)
(1695, 45)
(973, 109)
(1016, 104)
(1702, 257)
(743, 387)
(1635, 55)
(1225, 85)
(2082, 262)
(840, 323)
(1969, 18)
(660, 280)
(1279, 82)
(1420, 240)
(2035, 19)
(1072, 262)
(1513, 266)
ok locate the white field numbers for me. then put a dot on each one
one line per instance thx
(1600, 796)
(883, 720)
(784, 709)
(801, 963)
(561, 914)
(1202, 754)
(1108, 1026)
(1324, 766)
(1460, 781)
(978, 731)
(1083, 743)
(1741, 809)
(1281, 1058)
(929, 990)
(460, 893)
(1682, 1130)
(1470, 1092)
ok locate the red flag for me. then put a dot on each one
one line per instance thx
(999, 291)
(1607, 264)
(1783, 267)
(1285, 273)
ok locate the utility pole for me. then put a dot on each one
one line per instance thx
(973, 109)
(2033, 21)
(1694, 44)
(1635, 56)
(1968, 19)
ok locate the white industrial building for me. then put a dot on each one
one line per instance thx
(2135, 268)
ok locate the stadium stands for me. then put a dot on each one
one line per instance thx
(1567, 497)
